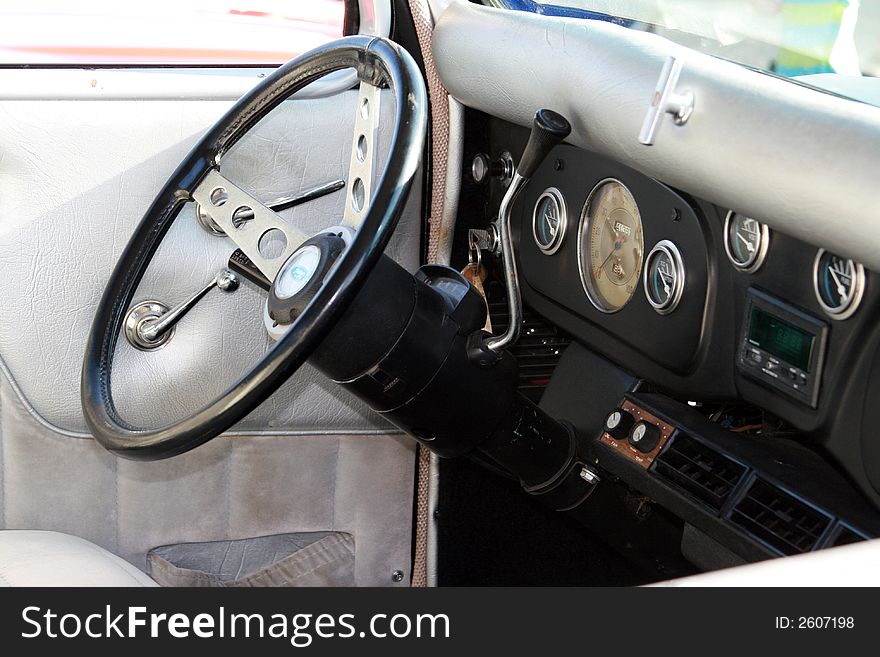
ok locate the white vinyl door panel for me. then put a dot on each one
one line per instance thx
(76, 175)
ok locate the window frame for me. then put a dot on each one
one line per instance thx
(66, 81)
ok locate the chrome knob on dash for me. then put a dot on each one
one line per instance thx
(150, 324)
(666, 100)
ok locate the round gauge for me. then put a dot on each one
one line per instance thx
(664, 277)
(610, 246)
(745, 241)
(839, 284)
(549, 220)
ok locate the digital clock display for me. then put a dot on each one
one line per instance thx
(781, 339)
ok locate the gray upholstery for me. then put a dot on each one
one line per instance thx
(234, 487)
(305, 559)
(37, 558)
(756, 143)
(75, 177)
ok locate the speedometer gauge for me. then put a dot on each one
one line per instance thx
(610, 246)
(664, 277)
(745, 241)
(839, 284)
(549, 220)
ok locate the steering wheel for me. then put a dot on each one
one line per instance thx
(369, 222)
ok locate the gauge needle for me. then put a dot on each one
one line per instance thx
(748, 244)
(664, 278)
(841, 290)
(616, 248)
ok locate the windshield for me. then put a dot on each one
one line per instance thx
(786, 37)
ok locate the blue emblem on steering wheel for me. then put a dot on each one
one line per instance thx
(299, 273)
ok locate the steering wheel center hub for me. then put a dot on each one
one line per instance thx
(301, 276)
(296, 273)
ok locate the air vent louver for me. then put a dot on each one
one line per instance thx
(699, 470)
(538, 349)
(778, 519)
(846, 536)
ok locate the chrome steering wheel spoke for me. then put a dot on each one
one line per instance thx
(247, 221)
(363, 155)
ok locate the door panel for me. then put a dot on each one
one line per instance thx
(236, 486)
(76, 176)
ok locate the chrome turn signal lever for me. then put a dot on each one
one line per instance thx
(150, 324)
(548, 130)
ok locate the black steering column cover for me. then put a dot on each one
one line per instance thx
(377, 61)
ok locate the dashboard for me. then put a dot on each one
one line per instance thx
(614, 219)
(725, 349)
(703, 303)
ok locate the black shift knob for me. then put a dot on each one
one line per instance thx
(548, 129)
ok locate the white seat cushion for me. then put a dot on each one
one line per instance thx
(40, 558)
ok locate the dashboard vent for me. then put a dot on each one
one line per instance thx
(778, 519)
(847, 536)
(538, 349)
(699, 470)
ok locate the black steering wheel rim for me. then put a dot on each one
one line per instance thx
(377, 61)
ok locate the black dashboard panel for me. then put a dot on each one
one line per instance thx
(671, 340)
(692, 353)
(702, 367)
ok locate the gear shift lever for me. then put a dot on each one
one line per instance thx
(548, 130)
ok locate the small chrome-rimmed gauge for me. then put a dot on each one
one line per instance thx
(549, 220)
(664, 277)
(839, 284)
(745, 241)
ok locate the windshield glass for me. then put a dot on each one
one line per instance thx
(786, 37)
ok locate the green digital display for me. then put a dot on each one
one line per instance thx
(781, 339)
